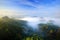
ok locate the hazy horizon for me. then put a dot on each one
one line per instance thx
(40, 8)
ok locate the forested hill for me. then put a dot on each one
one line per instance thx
(14, 29)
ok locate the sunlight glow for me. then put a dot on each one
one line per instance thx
(10, 13)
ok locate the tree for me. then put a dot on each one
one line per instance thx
(48, 31)
(11, 29)
(58, 34)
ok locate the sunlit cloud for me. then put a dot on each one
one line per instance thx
(34, 21)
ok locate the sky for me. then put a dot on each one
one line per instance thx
(40, 8)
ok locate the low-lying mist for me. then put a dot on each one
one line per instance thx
(34, 21)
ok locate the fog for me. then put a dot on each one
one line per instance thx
(34, 21)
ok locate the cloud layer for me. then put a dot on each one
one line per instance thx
(34, 21)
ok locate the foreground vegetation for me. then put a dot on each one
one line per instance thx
(12, 29)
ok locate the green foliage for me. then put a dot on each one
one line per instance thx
(49, 31)
(11, 29)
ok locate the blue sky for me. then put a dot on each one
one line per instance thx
(40, 8)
